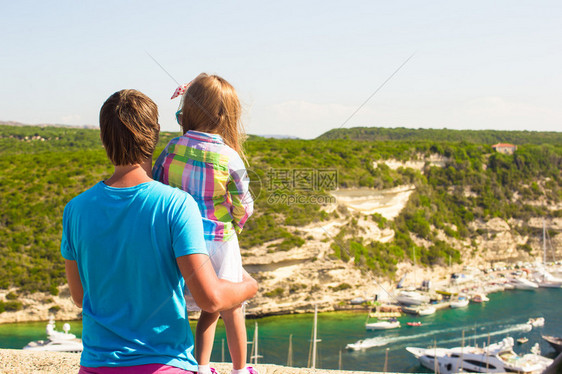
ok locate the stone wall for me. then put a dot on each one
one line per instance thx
(14, 361)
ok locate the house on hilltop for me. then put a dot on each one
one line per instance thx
(505, 148)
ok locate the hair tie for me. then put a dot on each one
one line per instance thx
(180, 90)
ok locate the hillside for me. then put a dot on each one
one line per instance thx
(332, 216)
(444, 135)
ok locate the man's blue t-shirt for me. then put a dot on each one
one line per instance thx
(125, 242)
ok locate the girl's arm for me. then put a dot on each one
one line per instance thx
(238, 188)
(158, 168)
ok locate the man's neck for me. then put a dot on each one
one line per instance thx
(130, 175)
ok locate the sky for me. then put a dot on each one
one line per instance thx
(300, 68)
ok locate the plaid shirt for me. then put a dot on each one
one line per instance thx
(214, 174)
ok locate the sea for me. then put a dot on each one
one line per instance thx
(506, 314)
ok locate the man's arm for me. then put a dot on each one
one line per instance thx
(211, 293)
(74, 282)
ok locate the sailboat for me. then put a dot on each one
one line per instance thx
(541, 276)
(523, 284)
(412, 297)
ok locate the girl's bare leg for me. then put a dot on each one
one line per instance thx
(205, 336)
(236, 336)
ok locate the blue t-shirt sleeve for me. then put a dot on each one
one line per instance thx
(66, 247)
(187, 228)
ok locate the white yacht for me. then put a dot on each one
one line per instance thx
(544, 279)
(57, 341)
(460, 302)
(362, 344)
(426, 310)
(496, 358)
(383, 325)
(523, 284)
(412, 298)
(536, 322)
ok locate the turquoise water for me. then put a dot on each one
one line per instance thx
(504, 315)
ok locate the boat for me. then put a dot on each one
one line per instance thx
(57, 341)
(546, 280)
(383, 325)
(412, 309)
(496, 358)
(416, 323)
(508, 286)
(362, 344)
(536, 349)
(444, 292)
(542, 276)
(479, 298)
(556, 270)
(536, 322)
(523, 284)
(426, 310)
(550, 283)
(460, 302)
(522, 340)
(411, 298)
(554, 342)
(357, 301)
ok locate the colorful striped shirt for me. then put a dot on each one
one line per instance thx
(214, 174)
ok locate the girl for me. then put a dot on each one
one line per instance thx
(207, 163)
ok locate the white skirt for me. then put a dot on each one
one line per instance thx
(227, 262)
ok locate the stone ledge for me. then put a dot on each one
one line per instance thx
(15, 361)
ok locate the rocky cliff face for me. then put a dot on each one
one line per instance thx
(295, 280)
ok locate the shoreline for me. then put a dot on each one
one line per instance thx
(42, 306)
(193, 318)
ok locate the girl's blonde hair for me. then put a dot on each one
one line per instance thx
(211, 105)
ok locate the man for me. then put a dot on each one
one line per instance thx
(130, 245)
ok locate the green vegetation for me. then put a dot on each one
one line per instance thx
(444, 135)
(341, 287)
(38, 177)
(296, 287)
(277, 292)
(10, 306)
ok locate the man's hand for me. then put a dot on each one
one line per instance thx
(246, 277)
